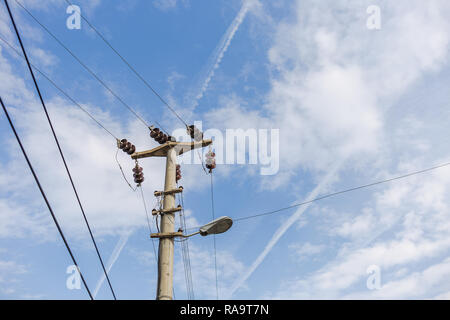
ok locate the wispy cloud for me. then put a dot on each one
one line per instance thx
(219, 52)
(282, 230)
(112, 259)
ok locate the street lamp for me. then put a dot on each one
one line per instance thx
(219, 225)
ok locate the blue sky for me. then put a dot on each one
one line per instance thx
(352, 106)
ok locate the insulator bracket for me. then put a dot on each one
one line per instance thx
(166, 235)
(164, 211)
(163, 193)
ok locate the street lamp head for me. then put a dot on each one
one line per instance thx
(219, 225)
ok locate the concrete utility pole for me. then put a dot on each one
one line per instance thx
(170, 150)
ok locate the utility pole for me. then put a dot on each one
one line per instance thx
(170, 150)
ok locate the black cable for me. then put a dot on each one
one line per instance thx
(85, 66)
(343, 191)
(131, 68)
(59, 88)
(214, 236)
(123, 173)
(186, 255)
(148, 223)
(45, 199)
(337, 193)
(58, 145)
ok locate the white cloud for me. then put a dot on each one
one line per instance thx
(240, 281)
(333, 86)
(335, 82)
(42, 58)
(443, 296)
(334, 79)
(9, 271)
(306, 249)
(416, 285)
(90, 154)
(421, 235)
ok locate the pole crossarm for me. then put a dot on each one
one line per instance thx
(173, 191)
(162, 150)
(166, 235)
(164, 211)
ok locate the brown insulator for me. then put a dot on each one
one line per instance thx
(154, 133)
(159, 136)
(132, 150)
(210, 160)
(211, 166)
(139, 180)
(138, 175)
(123, 143)
(127, 147)
(137, 169)
(177, 172)
(163, 139)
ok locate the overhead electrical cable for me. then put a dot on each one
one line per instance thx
(55, 220)
(343, 191)
(134, 112)
(60, 89)
(185, 254)
(337, 193)
(148, 223)
(147, 84)
(214, 236)
(123, 173)
(58, 145)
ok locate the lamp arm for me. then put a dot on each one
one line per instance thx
(190, 235)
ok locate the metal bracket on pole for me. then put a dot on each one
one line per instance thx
(180, 148)
(173, 191)
(164, 211)
(166, 235)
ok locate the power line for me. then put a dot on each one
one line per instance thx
(186, 255)
(123, 173)
(131, 68)
(45, 199)
(85, 66)
(60, 89)
(343, 191)
(337, 193)
(148, 222)
(58, 145)
(214, 236)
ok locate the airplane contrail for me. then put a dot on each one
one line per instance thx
(112, 259)
(221, 48)
(282, 230)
